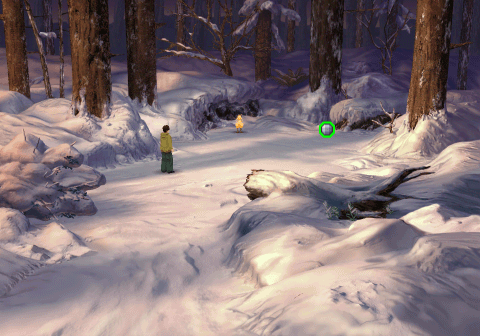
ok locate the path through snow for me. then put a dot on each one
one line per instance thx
(158, 269)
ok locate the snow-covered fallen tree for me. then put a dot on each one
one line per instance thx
(45, 182)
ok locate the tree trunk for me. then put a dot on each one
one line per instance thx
(303, 31)
(391, 27)
(60, 38)
(41, 51)
(91, 71)
(141, 51)
(180, 25)
(291, 29)
(464, 53)
(263, 46)
(428, 83)
(48, 26)
(16, 47)
(359, 30)
(326, 44)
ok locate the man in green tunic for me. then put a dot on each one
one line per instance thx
(167, 149)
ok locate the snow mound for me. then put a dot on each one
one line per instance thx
(372, 85)
(13, 102)
(294, 247)
(14, 268)
(439, 219)
(447, 252)
(315, 106)
(12, 224)
(357, 110)
(47, 181)
(432, 134)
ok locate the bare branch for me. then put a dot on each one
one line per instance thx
(458, 45)
(38, 141)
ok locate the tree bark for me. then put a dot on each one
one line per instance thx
(60, 38)
(428, 83)
(41, 51)
(291, 29)
(180, 25)
(141, 51)
(326, 44)
(263, 46)
(16, 47)
(464, 53)
(91, 71)
(48, 26)
(359, 30)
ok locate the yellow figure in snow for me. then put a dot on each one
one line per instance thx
(239, 123)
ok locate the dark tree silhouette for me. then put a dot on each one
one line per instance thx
(16, 46)
(141, 50)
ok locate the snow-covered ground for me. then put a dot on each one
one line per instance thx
(190, 254)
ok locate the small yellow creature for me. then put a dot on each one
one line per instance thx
(239, 123)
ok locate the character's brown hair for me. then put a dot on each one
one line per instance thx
(166, 128)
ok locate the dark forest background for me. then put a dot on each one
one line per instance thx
(164, 12)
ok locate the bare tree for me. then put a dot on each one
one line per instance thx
(464, 53)
(181, 38)
(391, 115)
(41, 51)
(16, 46)
(391, 28)
(141, 50)
(291, 28)
(48, 26)
(428, 83)
(228, 37)
(326, 44)
(60, 37)
(359, 30)
(90, 44)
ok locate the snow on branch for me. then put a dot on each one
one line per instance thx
(48, 35)
(391, 115)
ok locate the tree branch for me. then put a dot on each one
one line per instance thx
(458, 45)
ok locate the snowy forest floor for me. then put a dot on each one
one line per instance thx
(160, 242)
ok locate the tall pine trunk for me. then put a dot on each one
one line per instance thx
(60, 39)
(464, 53)
(48, 26)
(90, 43)
(428, 83)
(180, 24)
(16, 46)
(326, 44)
(263, 46)
(141, 50)
(359, 30)
(291, 29)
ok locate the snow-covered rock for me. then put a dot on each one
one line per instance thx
(12, 224)
(359, 110)
(42, 181)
